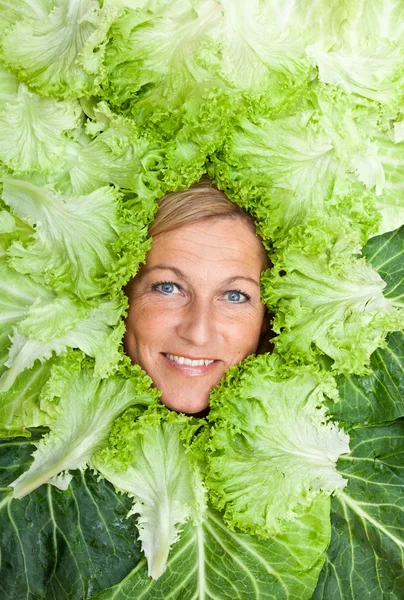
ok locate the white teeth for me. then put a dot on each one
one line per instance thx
(181, 360)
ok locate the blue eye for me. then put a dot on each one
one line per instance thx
(237, 297)
(165, 287)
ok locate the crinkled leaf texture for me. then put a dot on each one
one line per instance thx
(87, 407)
(272, 448)
(147, 459)
(33, 130)
(52, 50)
(40, 324)
(213, 563)
(379, 395)
(62, 545)
(20, 406)
(338, 309)
(366, 555)
(81, 544)
(71, 248)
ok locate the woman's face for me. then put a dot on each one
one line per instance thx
(195, 308)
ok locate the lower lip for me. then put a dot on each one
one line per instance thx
(188, 370)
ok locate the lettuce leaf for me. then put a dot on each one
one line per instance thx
(312, 162)
(119, 155)
(37, 323)
(52, 52)
(272, 448)
(87, 406)
(33, 130)
(147, 459)
(367, 59)
(329, 304)
(20, 407)
(71, 249)
(159, 57)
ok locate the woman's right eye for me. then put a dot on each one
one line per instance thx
(166, 287)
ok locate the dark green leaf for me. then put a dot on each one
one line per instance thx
(210, 562)
(61, 545)
(366, 555)
(386, 254)
(379, 396)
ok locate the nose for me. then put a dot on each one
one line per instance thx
(197, 323)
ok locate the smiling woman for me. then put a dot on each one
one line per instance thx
(194, 307)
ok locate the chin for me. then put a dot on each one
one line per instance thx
(198, 407)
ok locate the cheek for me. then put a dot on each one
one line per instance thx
(145, 325)
(243, 334)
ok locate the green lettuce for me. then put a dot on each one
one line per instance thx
(37, 323)
(272, 448)
(105, 106)
(315, 161)
(329, 304)
(20, 407)
(71, 249)
(87, 406)
(365, 60)
(86, 543)
(146, 458)
(58, 50)
(34, 130)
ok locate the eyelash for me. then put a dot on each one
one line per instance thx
(158, 283)
(247, 296)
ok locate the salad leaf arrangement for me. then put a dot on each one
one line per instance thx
(292, 486)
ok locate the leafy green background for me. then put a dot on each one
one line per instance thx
(77, 544)
(366, 555)
(62, 545)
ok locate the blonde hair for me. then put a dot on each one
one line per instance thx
(200, 202)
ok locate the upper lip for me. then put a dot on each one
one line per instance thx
(190, 357)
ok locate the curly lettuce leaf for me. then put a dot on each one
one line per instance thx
(383, 130)
(20, 406)
(326, 307)
(147, 459)
(33, 130)
(311, 162)
(160, 54)
(59, 53)
(36, 324)
(272, 448)
(71, 249)
(366, 58)
(121, 156)
(87, 407)
(264, 47)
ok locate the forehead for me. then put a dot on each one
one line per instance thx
(216, 243)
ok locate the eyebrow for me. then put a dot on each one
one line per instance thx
(182, 275)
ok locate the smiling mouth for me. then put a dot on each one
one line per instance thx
(182, 360)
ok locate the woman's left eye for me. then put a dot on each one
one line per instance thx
(237, 297)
